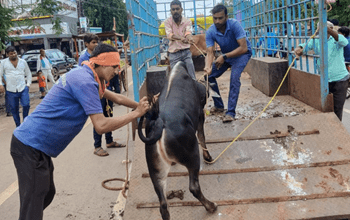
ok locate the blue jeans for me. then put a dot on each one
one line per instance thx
(13, 100)
(237, 66)
(98, 137)
(114, 84)
(185, 56)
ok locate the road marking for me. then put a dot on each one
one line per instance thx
(346, 110)
(8, 192)
(130, 83)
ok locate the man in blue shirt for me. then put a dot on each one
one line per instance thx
(236, 49)
(90, 41)
(58, 119)
(338, 76)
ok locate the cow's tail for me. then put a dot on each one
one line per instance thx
(154, 125)
(155, 129)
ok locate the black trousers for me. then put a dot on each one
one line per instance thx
(338, 89)
(35, 180)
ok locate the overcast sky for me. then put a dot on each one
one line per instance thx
(164, 9)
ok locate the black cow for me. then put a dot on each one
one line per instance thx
(171, 134)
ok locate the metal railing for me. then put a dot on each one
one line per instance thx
(144, 39)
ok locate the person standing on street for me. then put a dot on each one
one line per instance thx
(58, 119)
(90, 41)
(236, 52)
(338, 76)
(178, 31)
(18, 80)
(42, 83)
(44, 64)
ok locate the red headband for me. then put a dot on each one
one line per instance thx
(106, 59)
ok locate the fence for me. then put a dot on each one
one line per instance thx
(276, 27)
(144, 39)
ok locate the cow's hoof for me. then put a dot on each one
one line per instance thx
(212, 207)
(208, 159)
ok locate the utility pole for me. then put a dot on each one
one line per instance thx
(80, 14)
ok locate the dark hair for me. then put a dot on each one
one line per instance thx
(219, 8)
(42, 50)
(334, 22)
(88, 37)
(345, 31)
(39, 71)
(102, 48)
(175, 2)
(10, 49)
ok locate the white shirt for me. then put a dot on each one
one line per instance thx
(39, 66)
(15, 77)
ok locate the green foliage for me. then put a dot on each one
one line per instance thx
(341, 12)
(5, 25)
(100, 14)
(44, 7)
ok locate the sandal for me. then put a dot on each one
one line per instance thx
(214, 110)
(228, 118)
(100, 152)
(115, 144)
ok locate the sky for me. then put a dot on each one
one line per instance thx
(187, 5)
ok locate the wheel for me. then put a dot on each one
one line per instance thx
(55, 74)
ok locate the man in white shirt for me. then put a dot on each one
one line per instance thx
(18, 80)
(44, 64)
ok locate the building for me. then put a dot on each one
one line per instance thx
(42, 35)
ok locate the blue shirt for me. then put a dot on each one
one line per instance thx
(336, 66)
(62, 113)
(227, 41)
(347, 51)
(84, 57)
(272, 43)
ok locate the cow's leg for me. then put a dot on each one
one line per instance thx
(196, 189)
(201, 138)
(158, 169)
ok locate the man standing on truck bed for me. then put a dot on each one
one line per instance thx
(236, 52)
(178, 31)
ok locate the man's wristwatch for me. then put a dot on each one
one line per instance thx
(224, 56)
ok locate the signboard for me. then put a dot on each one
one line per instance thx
(95, 30)
(42, 30)
(83, 23)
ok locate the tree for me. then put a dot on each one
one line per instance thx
(341, 12)
(101, 15)
(41, 7)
